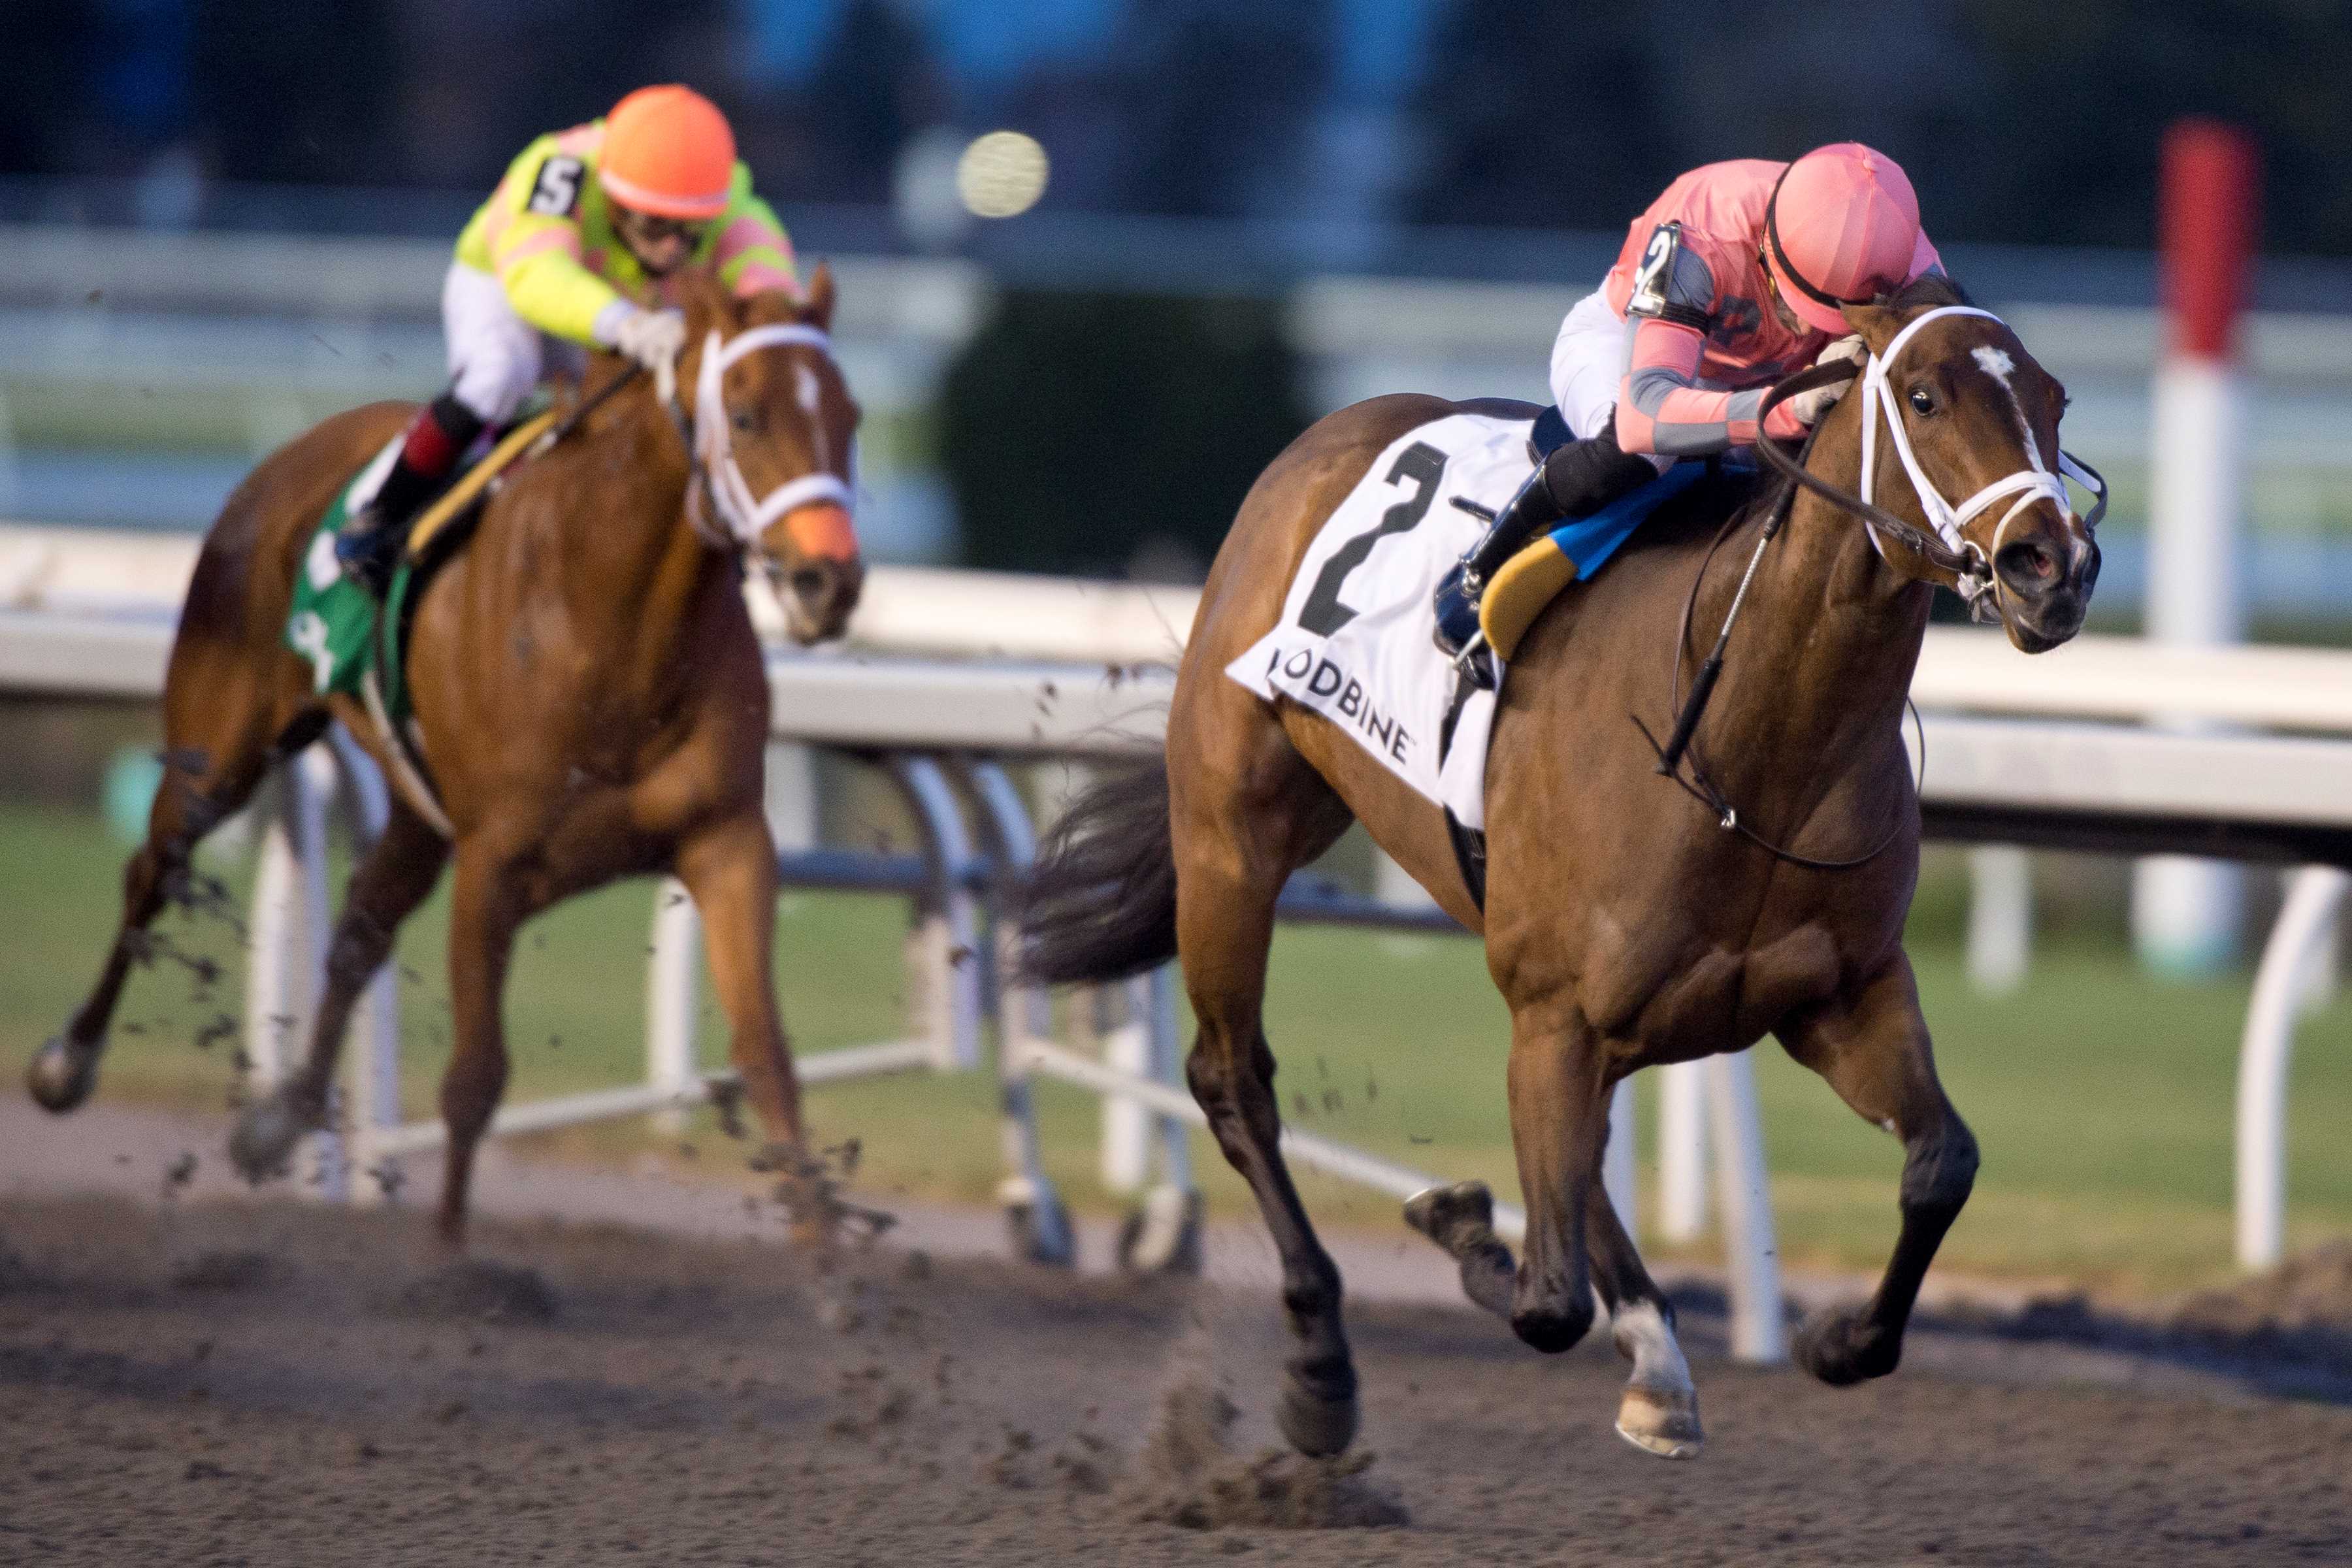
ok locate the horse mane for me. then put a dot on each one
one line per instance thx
(1930, 289)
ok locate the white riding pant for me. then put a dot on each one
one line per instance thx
(1588, 363)
(495, 356)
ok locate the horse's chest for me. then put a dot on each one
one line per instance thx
(1673, 989)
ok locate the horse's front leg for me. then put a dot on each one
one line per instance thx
(1871, 1043)
(730, 869)
(1659, 1414)
(1560, 1125)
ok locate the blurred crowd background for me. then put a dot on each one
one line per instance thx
(1152, 328)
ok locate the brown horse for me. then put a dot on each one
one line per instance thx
(1623, 926)
(592, 696)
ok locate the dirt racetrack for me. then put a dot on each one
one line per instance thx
(264, 1383)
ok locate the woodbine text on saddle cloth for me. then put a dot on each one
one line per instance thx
(1353, 643)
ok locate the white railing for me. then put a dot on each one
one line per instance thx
(2003, 768)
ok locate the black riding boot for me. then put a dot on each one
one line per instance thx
(1577, 479)
(371, 538)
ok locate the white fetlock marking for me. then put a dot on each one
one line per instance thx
(1659, 1414)
(1643, 1337)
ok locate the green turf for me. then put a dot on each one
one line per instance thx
(2103, 1101)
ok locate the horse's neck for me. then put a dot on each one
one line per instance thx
(642, 561)
(1837, 633)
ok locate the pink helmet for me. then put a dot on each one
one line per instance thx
(1842, 227)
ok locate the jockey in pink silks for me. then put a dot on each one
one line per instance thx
(1731, 280)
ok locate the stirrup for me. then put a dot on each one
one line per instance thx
(1476, 663)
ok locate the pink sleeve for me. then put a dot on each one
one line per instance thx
(1659, 407)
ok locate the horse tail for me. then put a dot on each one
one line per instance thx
(1100, 902)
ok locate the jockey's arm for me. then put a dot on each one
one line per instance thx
(527, 236)
(1661, 407)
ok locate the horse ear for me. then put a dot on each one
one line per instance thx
(818, 312)
(1876, 324)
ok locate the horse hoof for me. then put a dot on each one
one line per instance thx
(1450, 1216)
(1842, 1347)
(60, 1075)
(1661, 1421)
(1554, 1328)
(262, 1144)
(1316, 1426)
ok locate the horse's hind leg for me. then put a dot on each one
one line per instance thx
(1659, 1414)
(1238, 831)
(1872, 1046)
(223, 716)
(385, 889)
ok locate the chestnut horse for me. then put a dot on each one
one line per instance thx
(1623, 926)
(592, 701)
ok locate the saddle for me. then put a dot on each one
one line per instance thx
(359, 648)
(1531, 579)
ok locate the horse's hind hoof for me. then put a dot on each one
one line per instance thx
(1661, 1421)
(1452, 1216)
(61, 1075)
(1842, 1347)
(1316, 1426)
(262, 1145)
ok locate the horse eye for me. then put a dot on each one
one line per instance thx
(743, 420)
(1921, 402)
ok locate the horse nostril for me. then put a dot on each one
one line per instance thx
(808, 582)
(2028, 567)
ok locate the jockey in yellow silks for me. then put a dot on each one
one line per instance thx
(578, 246)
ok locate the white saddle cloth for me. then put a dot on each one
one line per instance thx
(1354, 640)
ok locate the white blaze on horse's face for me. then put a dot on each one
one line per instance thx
(2039, 582)
(800, 529)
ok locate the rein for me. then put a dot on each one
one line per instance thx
(1697, 784)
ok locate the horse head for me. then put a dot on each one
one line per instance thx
(775, 444)
(1951, 399)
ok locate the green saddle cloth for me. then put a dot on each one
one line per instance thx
(333, 619)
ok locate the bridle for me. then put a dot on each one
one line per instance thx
(1946, 548)
(716, 484)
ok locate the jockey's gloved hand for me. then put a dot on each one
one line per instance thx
(1807, 407)
(654, 339)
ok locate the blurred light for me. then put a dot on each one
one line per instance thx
(1001, 174)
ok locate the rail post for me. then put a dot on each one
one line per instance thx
(1682, 1151)
(943, 949)
(2304, 925)
(2000, 918)
(1035, 1218)
(372, 1066)
(289, 946)
(2185, 911)
(670, 1001)
(1760, 1330)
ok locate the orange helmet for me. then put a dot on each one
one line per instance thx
(668, 151)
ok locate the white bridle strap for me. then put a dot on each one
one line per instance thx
(2028, 484)
(745, 515)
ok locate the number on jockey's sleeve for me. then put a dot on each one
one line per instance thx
(557, 190)
(1671, 283)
